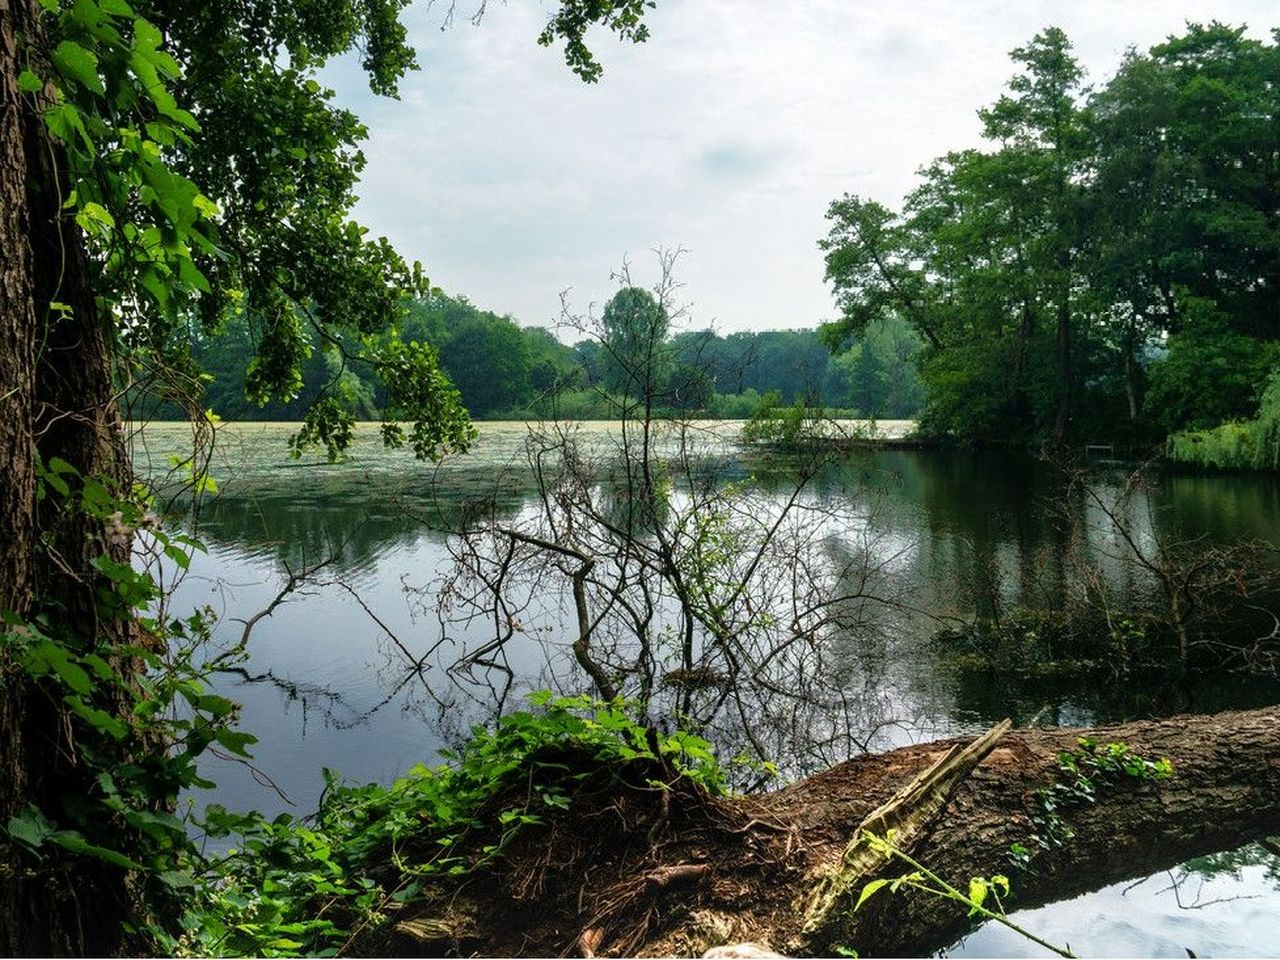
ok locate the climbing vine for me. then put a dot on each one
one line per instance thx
(141, 711)
(1083, 774)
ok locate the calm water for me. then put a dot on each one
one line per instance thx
(330, 680)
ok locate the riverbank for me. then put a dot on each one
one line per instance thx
(599, 838)
(953, 534)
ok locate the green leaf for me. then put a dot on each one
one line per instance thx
(235, 741)
(176, 880)
(100, 720)
(72, 841)
(93, 215)
(79, 64)
(31, 827)
(977, 891)
(49, 657)
(178, 556)
(870, 889)
(55, 481)
(214, 704)
(58, 465)
(28, 82)
(100, 667)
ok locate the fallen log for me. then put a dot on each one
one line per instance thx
(623, 873)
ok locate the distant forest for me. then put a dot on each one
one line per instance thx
(507, 371)
(1105, 266)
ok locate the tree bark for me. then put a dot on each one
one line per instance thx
(752, 868)
(56, 399)
(17, 391)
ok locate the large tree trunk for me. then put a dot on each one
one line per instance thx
(1225, 791)
(693, 872)
(56, 399)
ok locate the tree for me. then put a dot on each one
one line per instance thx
(878, 372)
(1134, 212)
(165, 169)
(487, 357)
(1222, 134)
(670, 573)
(1210, 373)
(1041, 127)
(637, 359)
(1184, 200)
(1046, 272)
(1058, 812)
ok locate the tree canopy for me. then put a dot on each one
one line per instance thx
(503, 370)
(1086, 272)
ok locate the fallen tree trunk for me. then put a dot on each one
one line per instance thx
(631, 870)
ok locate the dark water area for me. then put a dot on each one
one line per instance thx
(968, 537)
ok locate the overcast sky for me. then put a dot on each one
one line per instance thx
(728, 134)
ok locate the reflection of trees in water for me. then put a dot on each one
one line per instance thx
(1188, 883)
(1265, 853)
(734, 609)
(955, 534)
(293, 531)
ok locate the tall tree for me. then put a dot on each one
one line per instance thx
(1041, 128)
(637, 357)
(984, 261)
(1133, 212)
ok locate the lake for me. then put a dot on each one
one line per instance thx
(350, 672)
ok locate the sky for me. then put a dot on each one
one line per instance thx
(726, 135)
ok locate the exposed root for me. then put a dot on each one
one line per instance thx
(638, 849)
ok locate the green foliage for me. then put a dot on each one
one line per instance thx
(625, 18)
(291, 887)
(1210, 374)
(123, 699)
(1046, 272)
(1249, 444)
(785, 427)
(240, 217)
(419, 392)
(636, 362)
(984, 897)
(504, 371)
(1032, 641)
(104, 92)
(296, 888)
(877, 373)
(1083, 775)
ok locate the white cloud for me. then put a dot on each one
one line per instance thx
(728, 133)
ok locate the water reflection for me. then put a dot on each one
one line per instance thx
(960, 536)
(1220, 905)
(353, 673)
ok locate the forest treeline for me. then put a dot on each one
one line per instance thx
(1106, 266)
(504, 370)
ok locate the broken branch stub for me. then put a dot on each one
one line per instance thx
(909, 815)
